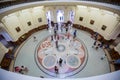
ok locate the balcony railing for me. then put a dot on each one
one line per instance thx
(7, 3)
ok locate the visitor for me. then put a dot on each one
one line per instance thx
(95, 36)
(47, 27)
(41, 76)
(51, 37)
(103, 57)
(57, 26)
(60, 62)
(56, 69)
(56, 42)
(34, 38)
(97, 46)
(94, 44)
(23, 69)
(106, 46)
(101, 44)
(66, 29)
(58, 37)
(9, 56)
(17, 69)
(55, 31)
(61, 28)
(74, 34)
(68, 35)
(115, 61)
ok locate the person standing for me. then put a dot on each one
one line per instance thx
(101, 44)
(60, 62)
(56, 69)
(51, 37)
(56, 42)
(74, 34)
(34, 38)
(115, 61)
(24, 69)
(66, 29)
(94, 44)
(17, 69)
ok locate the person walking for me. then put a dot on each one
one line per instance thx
(60, 62)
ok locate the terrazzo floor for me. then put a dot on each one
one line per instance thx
(93, 67)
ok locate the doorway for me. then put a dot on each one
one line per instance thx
(60, 16)
(5, 38)
(48, 15)
(71, 16)
(60, 19)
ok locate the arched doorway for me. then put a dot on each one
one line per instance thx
(71, 16)
(60, 19)
(60, 16)
(48, 15)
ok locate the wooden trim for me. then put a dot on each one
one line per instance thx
(26, 35)
(112, 66)
(81, 27)
(5, 63)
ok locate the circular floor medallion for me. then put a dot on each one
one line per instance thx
(61, 48)
(49, 61)
(74, 57)
(73, 61)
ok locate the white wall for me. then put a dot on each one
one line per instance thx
(39, 12)
(3, 50)
(101, 17)
(11, 22)
(20, 19)
(115, 32)
(110, 20)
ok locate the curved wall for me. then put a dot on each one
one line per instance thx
(19, 15)
(25, 16)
